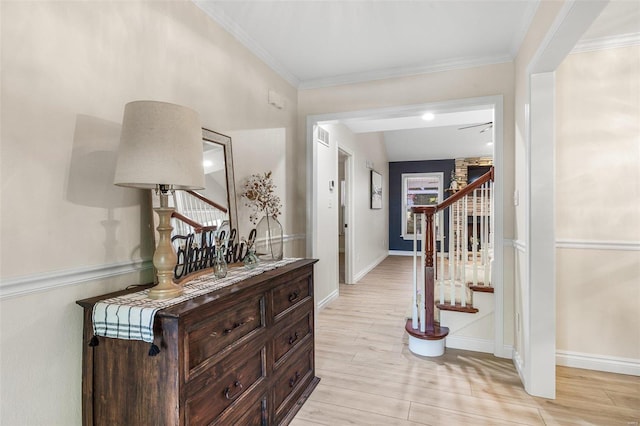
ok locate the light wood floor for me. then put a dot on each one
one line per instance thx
(369, 377)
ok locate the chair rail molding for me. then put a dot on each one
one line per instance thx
(19, 286)
(519, 245)
(26, 284)
(567, 243)
(294, 237)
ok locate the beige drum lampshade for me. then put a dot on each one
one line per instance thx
(160, 144)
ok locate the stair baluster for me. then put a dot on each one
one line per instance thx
(465, 251)
(423, 258)
(474, 238)
(441, 270)
(487, 244)
(415, 307)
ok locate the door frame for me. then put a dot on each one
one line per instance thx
(494, 101)
(348, 214)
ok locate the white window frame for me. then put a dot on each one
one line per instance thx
(405, 176)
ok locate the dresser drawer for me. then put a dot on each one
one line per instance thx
(292, 336)
(255, 415)
(291, 294)
(294, 376)
(207, 338)
(209, 397)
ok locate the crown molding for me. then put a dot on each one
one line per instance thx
(218, 15)
(612, 42)
(448, 65)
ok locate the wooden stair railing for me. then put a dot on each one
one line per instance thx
(197, 228)
(207, 201)
(195, 213)
(473, 202)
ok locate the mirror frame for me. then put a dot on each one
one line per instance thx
(225, 141)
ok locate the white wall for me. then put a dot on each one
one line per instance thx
(598, 205)
(68, 68)
(326, 270)
(370, 227)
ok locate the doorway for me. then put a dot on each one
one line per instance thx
(315, 199)
(345, 227)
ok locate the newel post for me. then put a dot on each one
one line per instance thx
(428, 338)
(429, 273)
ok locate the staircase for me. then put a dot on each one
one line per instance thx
(195, 213)
(452, 273)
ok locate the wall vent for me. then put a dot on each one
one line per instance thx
(322, 136)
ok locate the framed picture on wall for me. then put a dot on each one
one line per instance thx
(376, 190)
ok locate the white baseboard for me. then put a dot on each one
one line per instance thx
(369, 268)
(606, 363)
(42, 282)
(469, 344)
(505, 352)
(609, 364)
(400, 253)
(517, 362)
(409, 253)
(324, 302)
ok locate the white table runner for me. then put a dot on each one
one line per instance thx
(131, 316)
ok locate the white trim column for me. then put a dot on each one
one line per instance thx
(541, 348)
(539, 314)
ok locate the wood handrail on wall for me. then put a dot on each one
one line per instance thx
(208, 201)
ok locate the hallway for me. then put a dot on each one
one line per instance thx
(369, 377)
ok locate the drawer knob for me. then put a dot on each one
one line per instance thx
(293, 296)
(235, 325)
(293, 338)
(227, 390)
(294, 380)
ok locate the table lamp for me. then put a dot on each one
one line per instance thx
(161, 149)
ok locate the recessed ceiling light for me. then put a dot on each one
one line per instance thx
(207, 163)
(428, 116)
(489, 143)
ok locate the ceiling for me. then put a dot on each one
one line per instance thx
(320, 43)
(331, 42)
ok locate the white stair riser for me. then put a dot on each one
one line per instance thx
(474, 326)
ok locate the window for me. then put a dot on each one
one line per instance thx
(419, 189)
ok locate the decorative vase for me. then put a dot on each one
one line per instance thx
(251, 260)
(219, 262)
(269, 238)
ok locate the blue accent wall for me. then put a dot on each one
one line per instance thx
(396, 169)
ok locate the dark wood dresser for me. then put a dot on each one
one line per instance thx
(241, 355)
